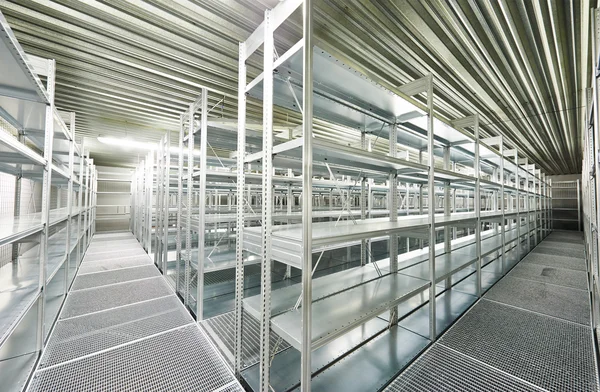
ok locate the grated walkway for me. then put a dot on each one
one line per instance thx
(530, 332)
(122, 328)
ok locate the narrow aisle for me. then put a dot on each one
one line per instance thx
(123, 329)
(530, 332)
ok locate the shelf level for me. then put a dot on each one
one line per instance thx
(335, 315)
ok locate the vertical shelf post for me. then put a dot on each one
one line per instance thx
(201, 204)
(307, 157)
(239, 233)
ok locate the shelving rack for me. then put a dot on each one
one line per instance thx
(143, 209)
(41, 245)
(320, 318)
(113, 199)
(566, 206)
(590, 186)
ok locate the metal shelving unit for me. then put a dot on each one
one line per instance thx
(284, 228)
(45, 243)
(590, 186)
(566, 206)
(460, 253)
(114, 199)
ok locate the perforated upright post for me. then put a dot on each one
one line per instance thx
(502, 205)
(393, 207)
(267, 203)
(363, 203)
(431, 201)
(166, 205)
(188, 213)
(178, 234)
(477, 201)
(202, 205)
(158, 189)
(239, 233)
(70, 198)
(46, 192)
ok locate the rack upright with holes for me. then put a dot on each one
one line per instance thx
(142, 201)
(325, 312)
(41, 244)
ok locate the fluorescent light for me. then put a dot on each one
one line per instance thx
(127, 143)
(136, 145)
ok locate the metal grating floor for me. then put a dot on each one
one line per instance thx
(530, 332)
(111, 247)
(222, 330)
(552, 275)
(443, 369)
(179, 360)
(123, 329)
(552, 300)
(553, 354)
(113, 277)
(555, 261)
(115, 254)
(80, 336)
(102, 298)
(554, 251)
(107, 265)
(563, 240)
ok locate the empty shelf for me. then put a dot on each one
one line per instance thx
(337, 314)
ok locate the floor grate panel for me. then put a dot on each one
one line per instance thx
(555, 261)
(114, 255)
(112, 247)
(545, 274)
(111, 236)
(551, 250)
(557, 301)
(102, 298)
(563, 240)
(222, 330)
(112, 277)
(80, 336)
(108, 265)
(442, 369)
(550, 353)
(180, 360)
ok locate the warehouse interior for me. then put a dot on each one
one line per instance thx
(299, 195)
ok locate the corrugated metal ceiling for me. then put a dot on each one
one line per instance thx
(131, 67)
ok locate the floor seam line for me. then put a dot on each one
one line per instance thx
(116, 307)
(113, 284)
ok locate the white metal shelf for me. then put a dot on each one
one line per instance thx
(337, 314)
(33, 283)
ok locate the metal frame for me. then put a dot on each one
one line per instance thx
(303, 238)
(36, 238)
(590, 186)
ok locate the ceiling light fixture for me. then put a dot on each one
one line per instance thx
(127, 143)
(134, 144)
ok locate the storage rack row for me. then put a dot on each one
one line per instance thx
(566, 207)
(334, 324)
(335, 231)
(216, 279)
(590, 186)
(49, 182)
